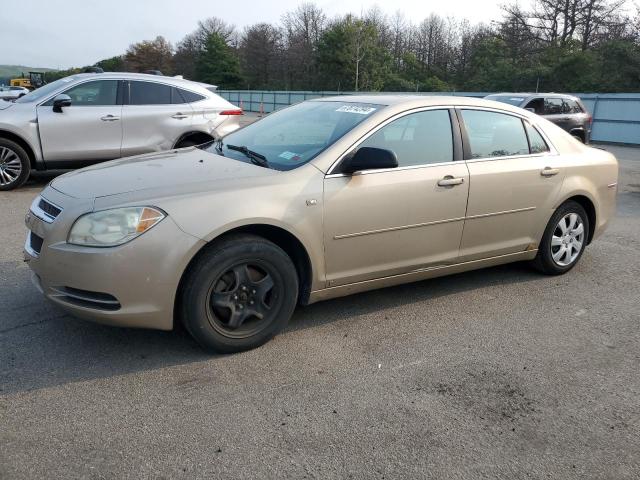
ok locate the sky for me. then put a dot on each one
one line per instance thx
(72, 33)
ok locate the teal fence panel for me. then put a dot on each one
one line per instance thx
(616, 116)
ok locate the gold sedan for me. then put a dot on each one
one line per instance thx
(319, 200)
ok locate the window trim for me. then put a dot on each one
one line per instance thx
(466, 143)
(456, 138)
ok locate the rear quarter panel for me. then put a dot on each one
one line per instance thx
(593, 174)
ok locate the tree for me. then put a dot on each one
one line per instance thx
(260, 53)
(150, 55)
(301, 33)
(350, 56)
(113, 64)
(217, 63)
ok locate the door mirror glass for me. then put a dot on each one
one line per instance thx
(369, 158)
(61, 101)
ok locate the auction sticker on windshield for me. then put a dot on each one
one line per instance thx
(356, 109)
(290, 156)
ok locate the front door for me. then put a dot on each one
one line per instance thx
(386, 222)
(89, 130)
(514, 183)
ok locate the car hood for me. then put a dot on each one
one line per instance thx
(166, 173)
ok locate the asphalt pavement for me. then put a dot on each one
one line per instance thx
(497, 373)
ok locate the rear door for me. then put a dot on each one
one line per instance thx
(154, 117)
(554, 111)
(515, 179)
(89, 130)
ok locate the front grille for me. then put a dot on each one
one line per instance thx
(86, 298)
(35, 242)
(49, 208)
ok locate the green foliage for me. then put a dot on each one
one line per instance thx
(113, 64)
(350, 56)
(217, 63)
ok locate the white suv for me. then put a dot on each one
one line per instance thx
(89, 118)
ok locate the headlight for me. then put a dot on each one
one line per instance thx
(109, 228)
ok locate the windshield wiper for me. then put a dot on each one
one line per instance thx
(256, 158)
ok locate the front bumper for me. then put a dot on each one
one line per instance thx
(132, 285)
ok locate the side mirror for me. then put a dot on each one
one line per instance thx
(532, 110)
(61, 101)
(369, 158)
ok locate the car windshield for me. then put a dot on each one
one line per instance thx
(510, 99)
(293, 136)
(44, 91)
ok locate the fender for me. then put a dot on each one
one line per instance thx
(34, 151)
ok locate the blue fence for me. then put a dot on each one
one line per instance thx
(616, 116)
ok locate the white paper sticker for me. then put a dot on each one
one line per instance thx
(356, 109)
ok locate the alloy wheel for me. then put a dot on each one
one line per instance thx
(568, 239)
(10, 166)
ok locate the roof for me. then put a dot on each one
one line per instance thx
(529, 94)
(417, 101)
(176, 81)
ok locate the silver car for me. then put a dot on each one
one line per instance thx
(12, 93)
(90, 118)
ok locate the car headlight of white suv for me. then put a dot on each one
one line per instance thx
(109, 228)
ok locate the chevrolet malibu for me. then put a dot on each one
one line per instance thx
(322, 199)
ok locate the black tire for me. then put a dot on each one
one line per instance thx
(226, 283)
(578, 137)
(544, 261)
(10, 150)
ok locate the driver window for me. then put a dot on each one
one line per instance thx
(417, 139)
(96, 93)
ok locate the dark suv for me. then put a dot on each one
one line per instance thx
(566, 111)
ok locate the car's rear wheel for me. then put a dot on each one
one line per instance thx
(578, 137)
(564, 239)
(14, 165)
(239, 294)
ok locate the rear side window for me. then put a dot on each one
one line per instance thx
(191, 97)
(149, 93)
(178, 95)
(536, 142)
(553, 106)
(494, 134)
(571, 106)
(417, 139)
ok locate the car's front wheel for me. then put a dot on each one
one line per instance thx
(14, 165)
(239, 294)
(564, 239)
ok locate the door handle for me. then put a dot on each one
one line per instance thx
(450, 181)
(179, 116)
(549, 172)
(109, 118)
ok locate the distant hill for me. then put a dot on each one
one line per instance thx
(13, 71)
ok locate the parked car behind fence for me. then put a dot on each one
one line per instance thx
(566, 111)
